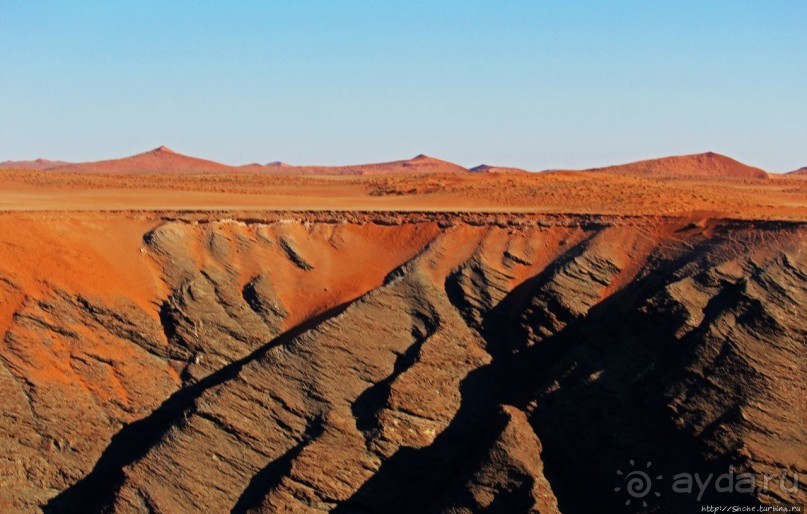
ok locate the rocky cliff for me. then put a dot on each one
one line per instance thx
(395, 363)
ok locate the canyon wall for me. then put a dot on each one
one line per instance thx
(394, 362)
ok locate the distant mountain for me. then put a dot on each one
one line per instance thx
(256, 166)
(38, 164)
(800, 171)
(161, 159)
(708, 164)
(420, 164)
(485, 168)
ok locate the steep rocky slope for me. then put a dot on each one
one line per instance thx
(395, 363)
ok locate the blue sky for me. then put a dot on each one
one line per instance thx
(537, 84)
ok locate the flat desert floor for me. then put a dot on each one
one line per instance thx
(778, 197)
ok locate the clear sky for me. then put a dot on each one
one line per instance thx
(537, 84)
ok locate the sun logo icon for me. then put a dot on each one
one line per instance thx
(638, 483)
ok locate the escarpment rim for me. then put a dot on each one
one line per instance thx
(343, 359)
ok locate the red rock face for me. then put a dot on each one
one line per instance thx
(393, 363)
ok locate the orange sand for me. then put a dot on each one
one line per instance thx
(779, 197)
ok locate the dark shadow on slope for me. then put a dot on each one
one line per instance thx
(589, 427)
(503, 327)
(415, 480)
(609, 404)
(167, 321)
(269, 477)
(504, 315)
(97, 490)
(515, 491)
(368, 404)
(508, 502)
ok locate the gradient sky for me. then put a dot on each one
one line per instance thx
(536, 84)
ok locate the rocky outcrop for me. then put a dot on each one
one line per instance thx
(508, 475)
(399, 366)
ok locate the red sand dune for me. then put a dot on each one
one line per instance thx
(160, 159)
(420, 164)
(708, 164)
(800, 171)
(163, 159)
(163, 179)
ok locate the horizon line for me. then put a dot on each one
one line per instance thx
(281, 163)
